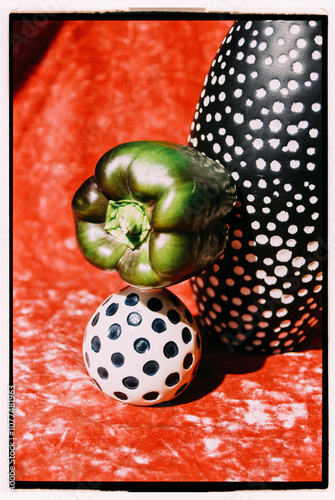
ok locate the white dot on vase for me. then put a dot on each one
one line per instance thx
(260, 163)
(312, 246)
(269, 31)
(294, 29)
(313, 133)
(281, 312)
(268, 61)
(238, 118)
(270, 280)
(284, 255)
(275, 293)
(259, 289)
(298, 261)
(292, 129)
(250, 257)
(255, 225)
(318, 40)
(274, 84)
(276, 241)
(268, 261)
(275, 125)
(210, 136)
(283, 216)
(307, 278)
(256, 124)
(291, 146)
(274, 143)
(262, 46)
(237, 301)
(297, 67)
(267, 199)
(262, 239)
(260, 93)
(297, 107)
(282, 59)
(309, 229)
(275, 166)
(238, 93)
(267, 314)
(292, 229)
(241, 78)
(216, 148)
(258, 143)
(271, 226)
(260, 274)
(294, 163)
(316, 107)
(222, 96)
(262, 183)
(251, 59)
(316, 55)
(291, 242)
(250, 209)
(280, 271)
(278, 107)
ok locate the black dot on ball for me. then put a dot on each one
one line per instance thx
(130, 382)
(132, 299)
(170, 350)
(196, 368)
(155, 304)
(188, 361)
(151, 396)
(95, 319)
(114, 331)
(107, 300)
(134, 319)
(117, 359)
(172, 379)
(141, 345)
(186, 335)
(102, 372)
(181, 388)
(96, 384)
(174, 299)
(188, 315)
(95, 344)
(121, 395)
(198, 340)
(173, 316)
(111, 309)
(87, 359)
(158, 325)
(151, 367)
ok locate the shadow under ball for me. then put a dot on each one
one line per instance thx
(260, 115)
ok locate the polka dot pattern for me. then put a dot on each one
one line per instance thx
(264, 87)
(142, 347)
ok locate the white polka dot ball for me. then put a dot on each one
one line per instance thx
(142, 347)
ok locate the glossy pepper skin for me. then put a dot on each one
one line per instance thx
(154, 211)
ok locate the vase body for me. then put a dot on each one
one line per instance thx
(260, 115)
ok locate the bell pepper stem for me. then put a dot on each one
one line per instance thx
(127, 221)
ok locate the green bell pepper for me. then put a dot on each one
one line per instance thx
(154, 211)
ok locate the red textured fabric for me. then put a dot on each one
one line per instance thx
(243, 418)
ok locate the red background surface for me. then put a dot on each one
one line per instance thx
(81, 88)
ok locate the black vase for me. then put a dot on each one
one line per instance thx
(260, 115)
